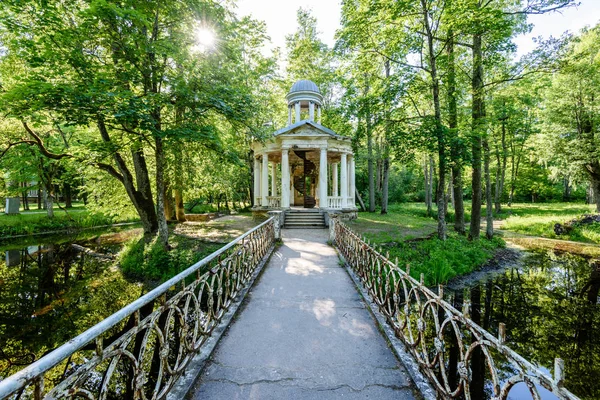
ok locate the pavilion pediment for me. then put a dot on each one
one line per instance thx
(307, 128)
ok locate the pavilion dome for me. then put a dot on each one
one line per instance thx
(304, 85)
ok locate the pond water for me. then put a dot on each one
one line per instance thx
(53, 288)
(551, 308)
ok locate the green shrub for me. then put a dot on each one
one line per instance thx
(150, 261)
(441, 261)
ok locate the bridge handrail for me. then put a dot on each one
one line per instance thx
(251, 247)
(389, 286)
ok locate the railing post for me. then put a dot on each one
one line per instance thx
(277, 222)
(332, 221)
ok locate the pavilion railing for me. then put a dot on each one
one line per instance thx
(334, 202)
(140, 351)
(460, 358)
(274, 201)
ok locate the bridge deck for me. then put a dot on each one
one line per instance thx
(304, 333)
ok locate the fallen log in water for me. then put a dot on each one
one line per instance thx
(92, 253)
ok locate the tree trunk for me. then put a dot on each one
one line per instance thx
(593, 170)
(49, 199)
(489, 217)
(370, 166)
(360, 200)
(478, 128)
(455, 145)
(39, 196)
(427, 185)
(384, 192)
(163, 228)
(501, 170)
(25, 196)
(567, 189)
(169, 206)
(141, 197)
(441, 142)
(68, 195)
(179, 208)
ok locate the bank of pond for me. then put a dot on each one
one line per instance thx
(52, 289)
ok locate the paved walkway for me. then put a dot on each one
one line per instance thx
(303, 333)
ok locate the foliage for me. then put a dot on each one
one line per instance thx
(150, 261)
(440, 260)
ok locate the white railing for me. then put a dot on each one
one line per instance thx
(274, 201)
(334, 202)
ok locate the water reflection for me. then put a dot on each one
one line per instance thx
(52, 291)
(551, 309)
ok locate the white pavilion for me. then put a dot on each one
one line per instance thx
(304, 165)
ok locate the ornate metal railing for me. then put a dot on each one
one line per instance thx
(460, 358)
(140, 351)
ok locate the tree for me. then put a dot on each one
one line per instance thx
(572, 106)
(128, 75)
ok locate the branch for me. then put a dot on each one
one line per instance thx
(38, 142)
(111, 170)
(30, 142)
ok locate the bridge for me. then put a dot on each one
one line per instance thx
(311, 313)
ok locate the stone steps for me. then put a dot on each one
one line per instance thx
(304, 219)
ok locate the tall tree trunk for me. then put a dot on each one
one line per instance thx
(370, 166)
(386, 154)
(441, 142)
(39, 196)
(386, 178)
(478, 128)
(501, 170)
(455, 145)
(427, 184)
(489, 217)
(163, 228)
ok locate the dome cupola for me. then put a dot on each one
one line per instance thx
(304, 96)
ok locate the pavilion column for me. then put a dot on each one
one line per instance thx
(297, 111)
(323, 178)
(256, 181)
(289, 115)
(344, 180)
(274, 179)
(292, 203)
(285, 179)
(334, 180)
(264, 181)
(311, 111)
(352, 182)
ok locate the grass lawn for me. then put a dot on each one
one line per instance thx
(539, 220)
(403, 221)
(37, 221)
(219, 230)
